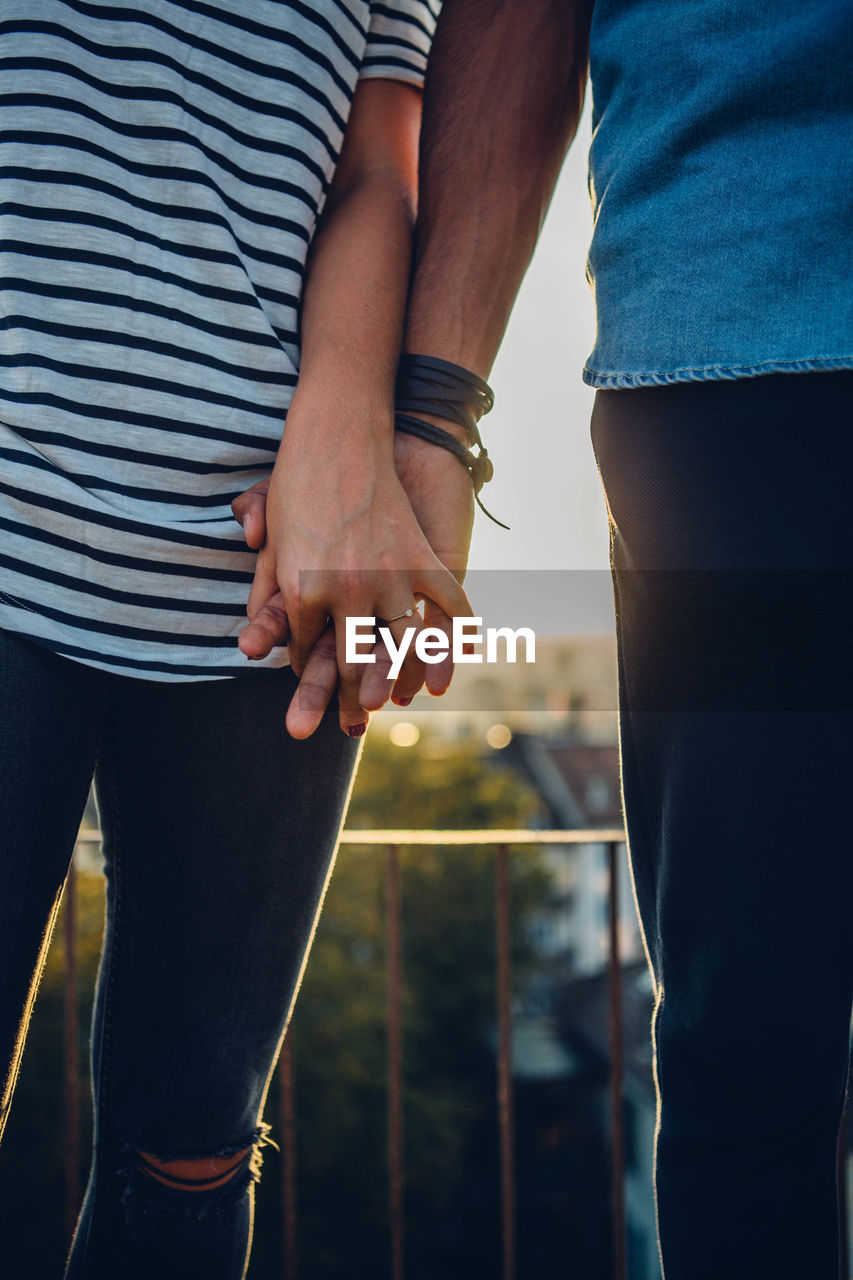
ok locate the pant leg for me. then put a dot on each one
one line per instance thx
(51, 712)
(220, 830)
(732, 566)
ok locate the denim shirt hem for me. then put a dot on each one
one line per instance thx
(712, 373)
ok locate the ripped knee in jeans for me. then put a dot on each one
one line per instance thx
(189, 1183)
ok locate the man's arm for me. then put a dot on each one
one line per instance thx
(503, 97)
(502, 102)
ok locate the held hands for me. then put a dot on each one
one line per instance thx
(343, 532)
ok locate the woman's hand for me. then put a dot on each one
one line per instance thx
(341, 541)
(440, 495)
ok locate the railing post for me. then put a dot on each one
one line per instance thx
(288, 1153)
(617, 1128)
(503, 938)
(70, 1059)
(395, 1058)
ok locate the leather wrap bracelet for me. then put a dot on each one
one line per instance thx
(426, 384)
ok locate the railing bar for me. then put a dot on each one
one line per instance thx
(503, 938)
(70, 1058)
(509, 836)
(393, 930)
(443, 836)
(617, 1069)
(287, 1106)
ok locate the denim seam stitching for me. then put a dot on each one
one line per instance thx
(717, 372)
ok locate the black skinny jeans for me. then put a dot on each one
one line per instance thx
(219, 832)
(732, 554)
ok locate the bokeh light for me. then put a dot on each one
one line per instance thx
(499, 736)
(404, 734)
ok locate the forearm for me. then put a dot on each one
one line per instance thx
(358, 272)
(502, 102)
(354, 303)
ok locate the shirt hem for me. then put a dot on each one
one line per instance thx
(402, 75)
(189, 668)
(712, 373)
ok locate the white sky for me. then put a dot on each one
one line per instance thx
(546, 486)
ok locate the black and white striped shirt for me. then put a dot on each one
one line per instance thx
(162, 165)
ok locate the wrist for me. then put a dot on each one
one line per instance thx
(432, 394)
(343, 371)
(328, 417)
(452, 339)
(445, 424)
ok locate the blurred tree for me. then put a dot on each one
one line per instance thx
(338, 1035)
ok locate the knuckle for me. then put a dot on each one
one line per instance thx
(324, 649)
(312, 693)
(273, 611)
(350, 673)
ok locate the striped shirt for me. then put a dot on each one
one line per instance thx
(162, 166)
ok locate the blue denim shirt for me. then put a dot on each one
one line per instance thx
(721, 174)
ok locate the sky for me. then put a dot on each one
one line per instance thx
(546, 486)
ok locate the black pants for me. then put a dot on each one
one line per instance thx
(219, 833)
(730, 506)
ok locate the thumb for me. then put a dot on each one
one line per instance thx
(264, 584)
(268, 627)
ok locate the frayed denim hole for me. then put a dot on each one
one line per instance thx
(147, 1201)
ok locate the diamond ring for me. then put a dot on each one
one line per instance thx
(407, 613)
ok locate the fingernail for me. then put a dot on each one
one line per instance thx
(403, 702)
(356, 730)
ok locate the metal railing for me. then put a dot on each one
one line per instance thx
(392, 841)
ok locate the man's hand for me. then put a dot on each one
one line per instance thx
(442, 498)
(269, 626)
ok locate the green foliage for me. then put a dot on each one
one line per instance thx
(423, 787)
